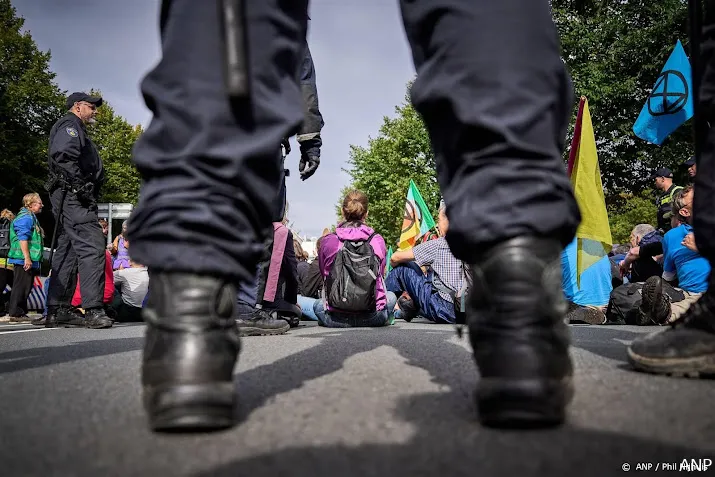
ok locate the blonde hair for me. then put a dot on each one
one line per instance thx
(7, 215)
(30, 198)
(355, 206)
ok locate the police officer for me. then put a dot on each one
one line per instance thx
(692, 168)
(76, 174)
(497, 118)
(663, 178)
(254, 320)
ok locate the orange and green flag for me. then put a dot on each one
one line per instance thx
(594, 233)
(417, 220)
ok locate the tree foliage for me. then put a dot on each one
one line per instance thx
(383, 170)
(115, 138)
(614, 50)
(30, 102)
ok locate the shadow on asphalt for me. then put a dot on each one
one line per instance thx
(20, 360)
(447, 440)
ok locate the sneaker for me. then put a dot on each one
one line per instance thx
(20, 319)
(586, 314)
(96, 318)
(261, 323)
(686, 348)
(655, 307)
(40, 321)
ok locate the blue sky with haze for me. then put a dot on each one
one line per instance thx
(362, 60)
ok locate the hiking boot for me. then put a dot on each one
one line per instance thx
(40, 321)
(64, 317)
(96, 318)
(686, 348)
(655, 307)
(586, 314)
(516, 314)
(408, 309)
(261, 323)
(190, 352)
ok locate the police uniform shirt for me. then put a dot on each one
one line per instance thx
(72, 152)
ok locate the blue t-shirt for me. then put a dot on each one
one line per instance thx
(596, 284)
(690, 267)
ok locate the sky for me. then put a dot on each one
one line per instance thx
(361, 56)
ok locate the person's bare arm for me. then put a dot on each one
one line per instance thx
(402, 257)
(25, 247)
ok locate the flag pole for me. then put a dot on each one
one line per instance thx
(573, 153)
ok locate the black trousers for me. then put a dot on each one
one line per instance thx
(704, 195)
(491, 87)
(21, 288)
(80, 246)
(6, 278)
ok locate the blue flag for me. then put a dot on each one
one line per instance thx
(670, 103)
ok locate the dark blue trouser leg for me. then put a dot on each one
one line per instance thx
(211, 167)
(409, 278)
(496, 99)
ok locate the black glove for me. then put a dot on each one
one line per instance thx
(308, 165)
(286, 145)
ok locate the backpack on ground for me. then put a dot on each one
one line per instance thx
(4, 237)
(350, 285)
(623, 304)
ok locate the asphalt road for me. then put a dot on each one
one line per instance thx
(375, 402)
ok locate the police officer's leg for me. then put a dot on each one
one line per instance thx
(64, 275)
(688, 348)
(210, 173)
(496, 100)
(88, 244)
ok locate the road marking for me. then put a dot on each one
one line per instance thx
(24, 331)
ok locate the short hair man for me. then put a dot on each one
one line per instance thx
(663, 178)
(431, 294)
(692, 168)
(76, 173)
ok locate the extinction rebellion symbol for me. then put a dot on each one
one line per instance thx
(670, 94)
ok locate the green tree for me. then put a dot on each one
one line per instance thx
(383, 170)
(115, 138)
(628, 212)
(30, 102)
(615, 50)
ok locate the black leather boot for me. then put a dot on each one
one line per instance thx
(516, 326)
(64, 317)
(190, 351)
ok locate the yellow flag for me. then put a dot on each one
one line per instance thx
(594, 233)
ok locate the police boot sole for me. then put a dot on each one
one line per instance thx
(523, 403)
(99, 325)
(693, 367)
(190, 407)
(67, 324)
(256, 331)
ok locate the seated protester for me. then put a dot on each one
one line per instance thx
(301, 257)
(589, 295)
(640, 263)
(683, 268)
(108, 284)
(354, 294)
(278, 281)
(430, 294)
(310, 285)
(132, 286)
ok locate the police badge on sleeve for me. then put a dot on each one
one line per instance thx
(72, 132)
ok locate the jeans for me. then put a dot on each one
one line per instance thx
(409, 278)
(336, 319)
(307, 305)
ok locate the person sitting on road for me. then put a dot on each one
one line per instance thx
(120, 249)
(640, 263)
(431, 295)
(132, 285)
(684, 269)
(310, 286)
(352, 262)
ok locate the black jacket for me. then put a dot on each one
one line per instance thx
(73, 155)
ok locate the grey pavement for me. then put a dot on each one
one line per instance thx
(357, 402)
